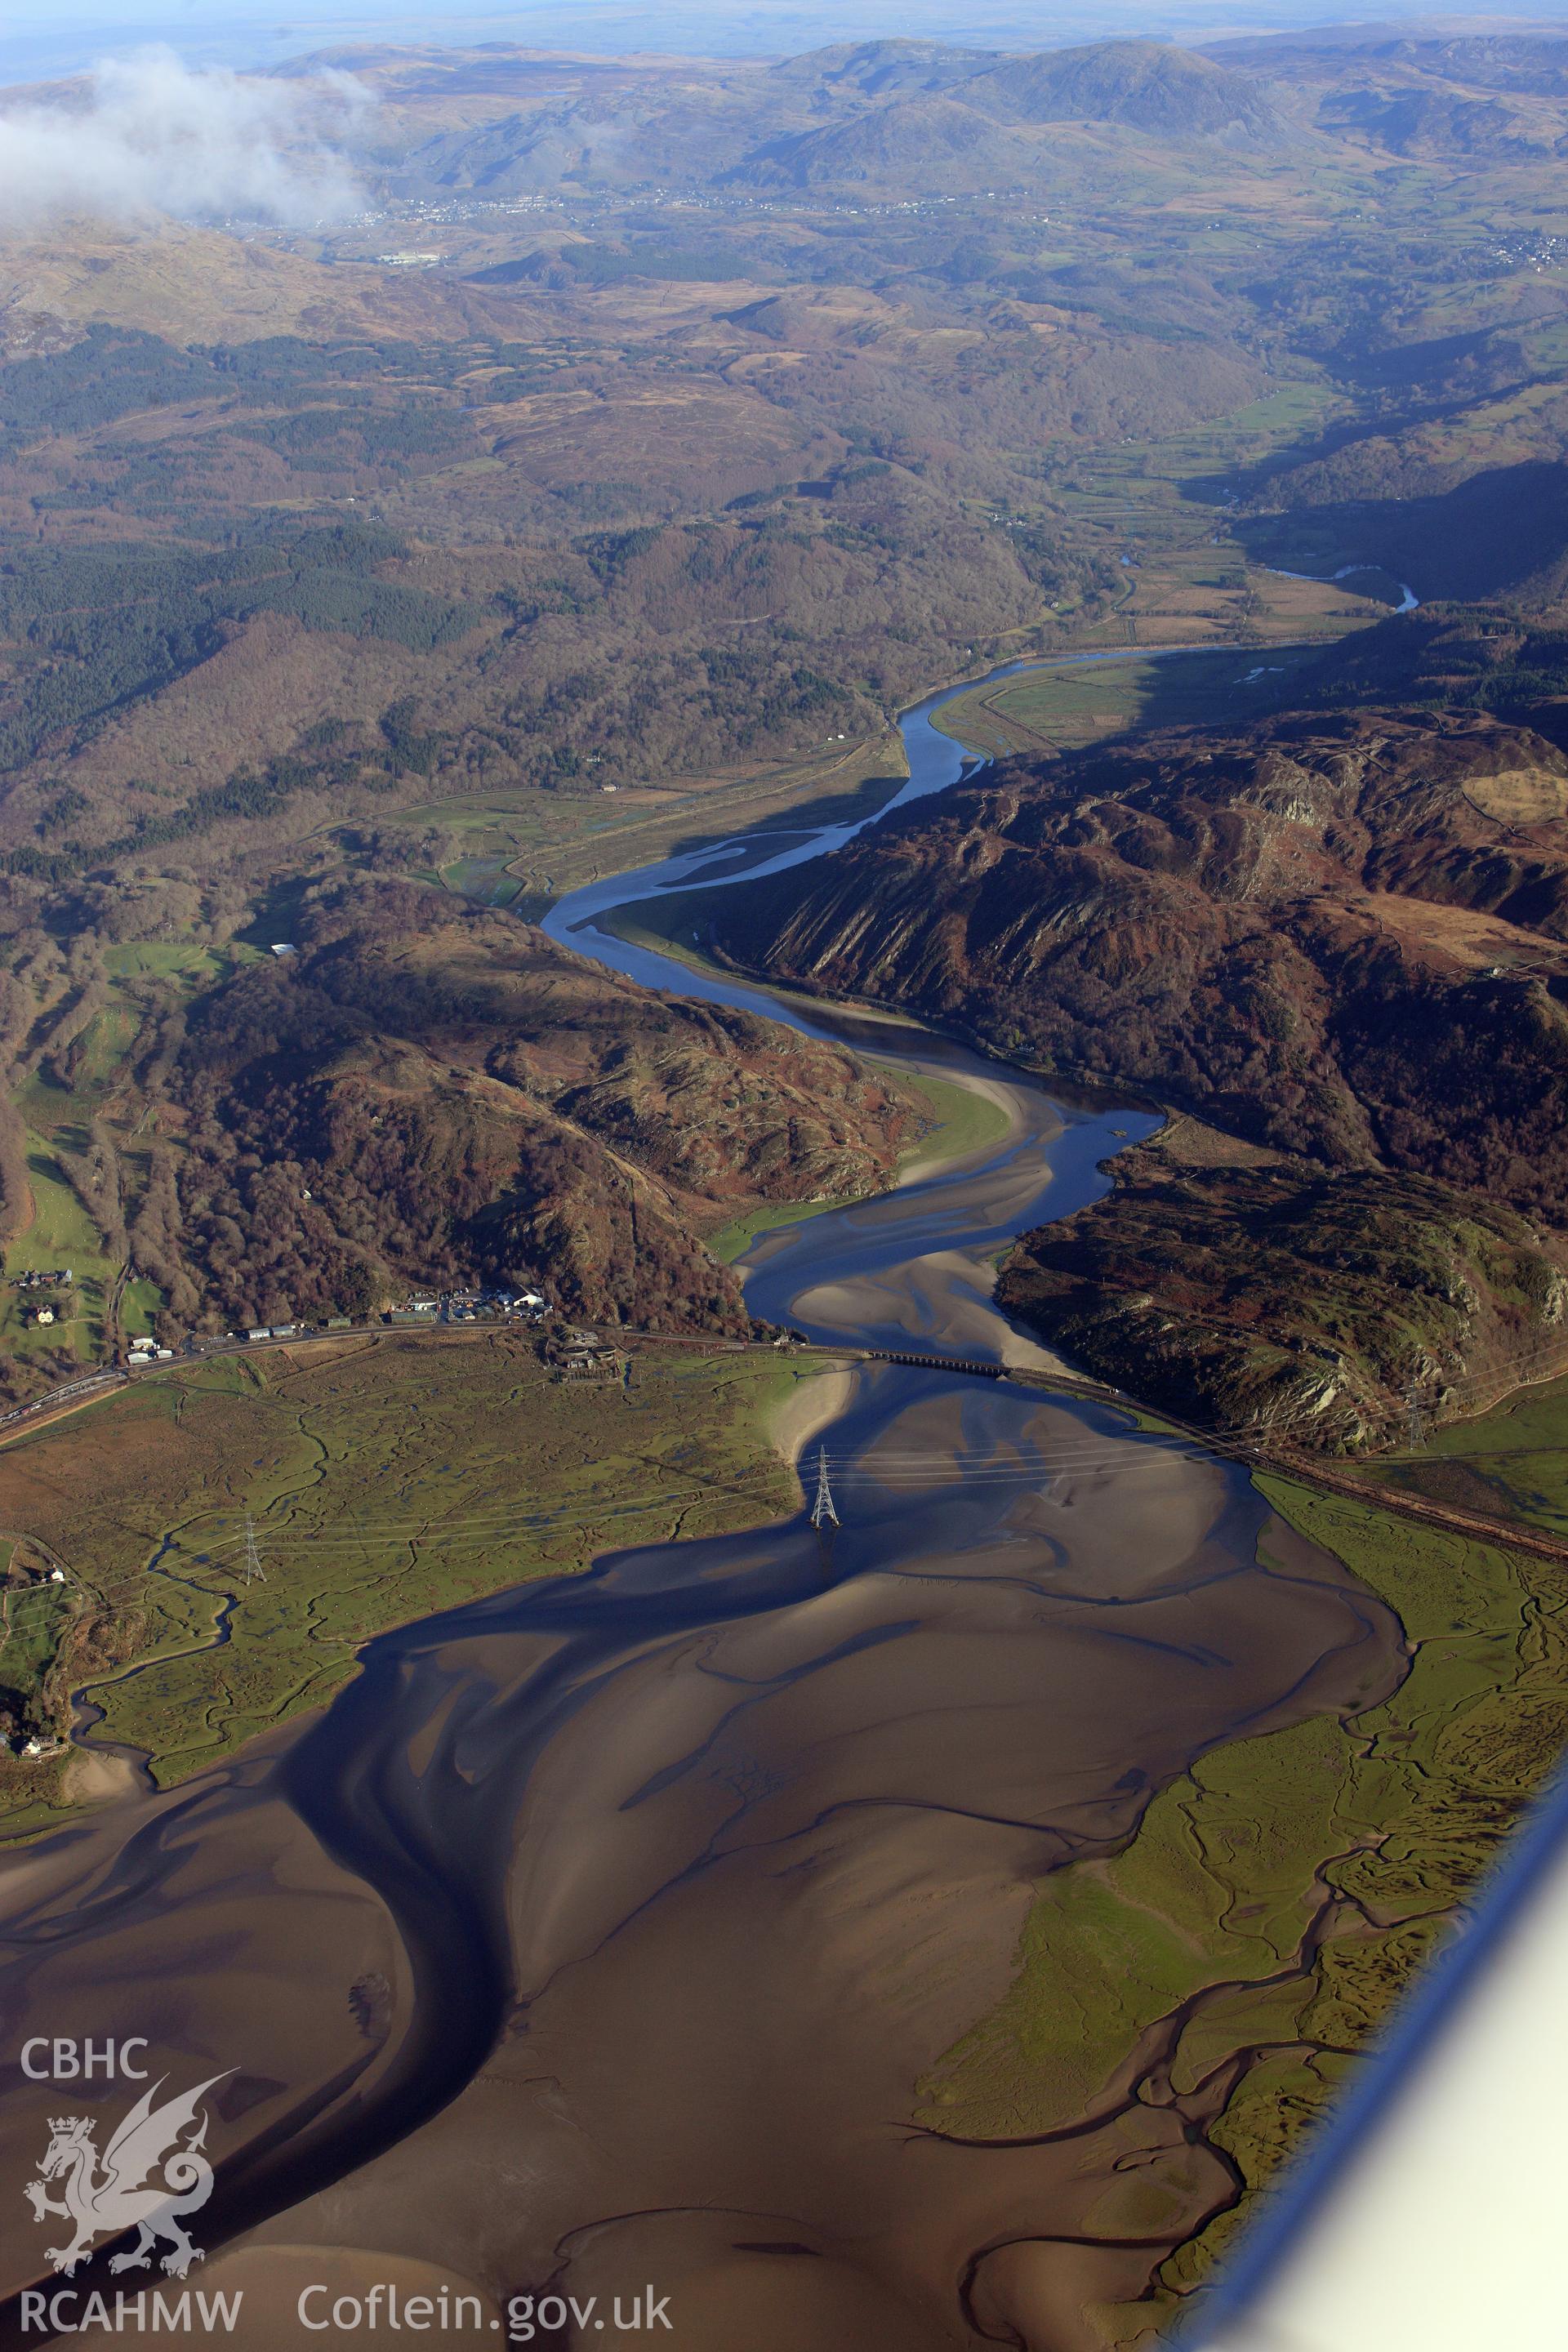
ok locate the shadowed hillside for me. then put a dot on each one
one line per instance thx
(1344, 939)
(422, 1095)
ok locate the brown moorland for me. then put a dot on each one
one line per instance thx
(428, 1094)
(1343, 939)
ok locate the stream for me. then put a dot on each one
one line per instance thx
(617, 1929)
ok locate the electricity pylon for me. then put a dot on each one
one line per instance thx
(1415, 1420)
(253, 1568)
(822, 1511)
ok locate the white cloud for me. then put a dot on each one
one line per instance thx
(153, 136)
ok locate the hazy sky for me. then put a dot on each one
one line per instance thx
(36, 40)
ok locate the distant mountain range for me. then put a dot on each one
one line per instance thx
(909, 119)
(38, 42)
(914, 118)
(771, 392)
(884, 114)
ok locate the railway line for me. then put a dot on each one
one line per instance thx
(72, 1395)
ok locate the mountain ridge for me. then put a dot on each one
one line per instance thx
(1344, 939)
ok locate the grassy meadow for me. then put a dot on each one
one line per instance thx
(1400, 1810)
(526, 847)
(1065, 709)
(142, 981)
(961, 1122)
(386, 1478)
(1509, 1463)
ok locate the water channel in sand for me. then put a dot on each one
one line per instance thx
(599, 1934)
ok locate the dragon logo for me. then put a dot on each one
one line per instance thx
(102, 2196)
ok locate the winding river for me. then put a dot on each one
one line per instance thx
(599, 1936)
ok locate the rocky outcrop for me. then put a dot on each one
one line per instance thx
(1287, 1301)
(426, 1094)
(1343, 939)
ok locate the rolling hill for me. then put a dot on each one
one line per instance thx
(669, 419)
(1343, 940)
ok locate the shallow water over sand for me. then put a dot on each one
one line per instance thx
(600, 1933)
(651, 1894)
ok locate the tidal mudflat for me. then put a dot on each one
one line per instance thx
(669, 1890)
(918, 1931)
(657, 1891)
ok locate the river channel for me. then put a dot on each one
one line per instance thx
(597, 1939)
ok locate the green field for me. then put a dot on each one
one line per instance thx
(1062, 709)
(146, 977)
(1280, 419)
(734, 1240)
(964, 1122)
(1402, 1809)
(536, 845)
(60, 1234)
(106, 1042)
(32, 1622)
(485, 877)
(1509, 1463)
(385, 1479)
(170, 960)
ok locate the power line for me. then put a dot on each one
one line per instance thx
(482, 1526)
(823, 1512)
(1415, 1420)
(905, 1472)
(892, 1472)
